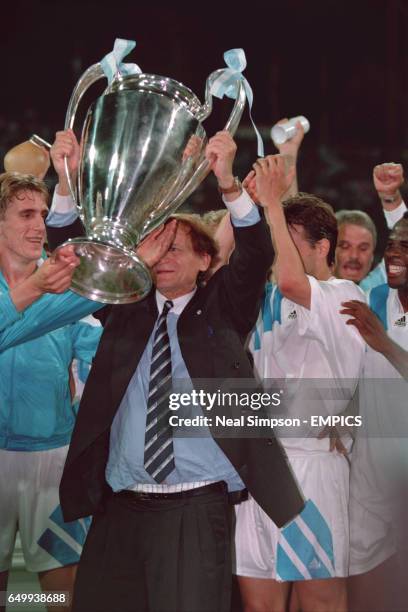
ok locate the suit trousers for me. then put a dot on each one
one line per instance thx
(158, 555)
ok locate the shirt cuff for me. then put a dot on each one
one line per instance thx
(63, 210)
(393, 216)
(62, 203)
(243, 210)
(56, 219)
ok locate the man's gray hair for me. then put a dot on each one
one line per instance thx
(357, 217)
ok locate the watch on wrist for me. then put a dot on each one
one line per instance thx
(235, 187)
(390, 199)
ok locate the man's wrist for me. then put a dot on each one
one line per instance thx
(272, 202)
(390, 201)
(290, 154)
(25, 294)
(233, 191)
(225, 182)
(33, 286)
(62, 187)
(389, 349)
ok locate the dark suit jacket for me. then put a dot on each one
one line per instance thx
(211, 332)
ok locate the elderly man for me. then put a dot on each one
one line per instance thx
(36, 417)
(161, 534)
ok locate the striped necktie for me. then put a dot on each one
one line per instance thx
(159, 452)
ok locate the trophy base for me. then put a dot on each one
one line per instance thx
(109, 274)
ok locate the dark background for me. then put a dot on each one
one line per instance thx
(342, 64)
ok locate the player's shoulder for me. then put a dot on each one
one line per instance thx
(341, 289)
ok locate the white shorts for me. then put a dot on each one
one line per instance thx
(312, 546)
(29, 503)
(373, 502)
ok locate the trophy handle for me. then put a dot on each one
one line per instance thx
(236, 113)
(90, 76)
(231, 126)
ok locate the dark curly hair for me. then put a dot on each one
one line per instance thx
(316, 217)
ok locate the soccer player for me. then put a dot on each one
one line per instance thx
(301, 336)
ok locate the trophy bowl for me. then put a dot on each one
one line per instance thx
(135, 170)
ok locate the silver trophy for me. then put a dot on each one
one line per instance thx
(134, 173)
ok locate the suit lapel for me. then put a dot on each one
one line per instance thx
(193, 334)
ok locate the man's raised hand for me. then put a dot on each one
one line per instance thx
(220, 152)
(154, 247)
(55, 275)
(272, 179)
(65, 146)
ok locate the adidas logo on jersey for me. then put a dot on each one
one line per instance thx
(292, 315)
(315, 564)
(401, 322)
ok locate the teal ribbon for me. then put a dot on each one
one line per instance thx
(227, 85)
(112, 64)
